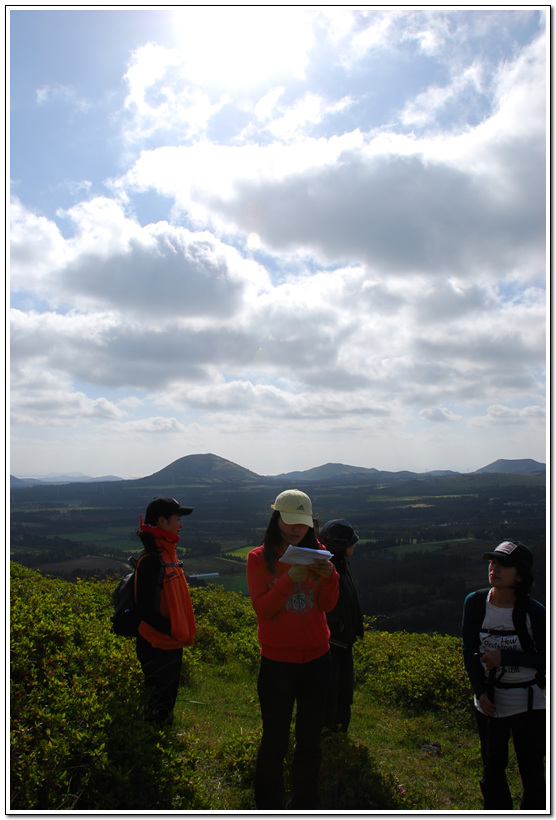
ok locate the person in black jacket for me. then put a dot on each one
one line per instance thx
(345, 622)
(503, 641)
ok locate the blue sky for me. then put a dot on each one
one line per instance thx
(284, 235)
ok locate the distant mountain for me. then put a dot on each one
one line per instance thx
(24, 482)
(521, 466)
(69, 478)
(341, 473)
(206, 467)
(210, 468)
(327, 471)
(440, 473)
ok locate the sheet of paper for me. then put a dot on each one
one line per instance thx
(303, 555)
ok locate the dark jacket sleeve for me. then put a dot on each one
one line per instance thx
(345, 621)
(533, 658)
(470, 645)
(146, 574)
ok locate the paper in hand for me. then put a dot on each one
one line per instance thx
(304, 555)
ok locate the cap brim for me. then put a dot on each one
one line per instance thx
(505, 560)
(296, 518)
(185, 510)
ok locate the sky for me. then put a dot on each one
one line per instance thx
(284, 235)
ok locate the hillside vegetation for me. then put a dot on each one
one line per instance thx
(78, 740)
(421, 537)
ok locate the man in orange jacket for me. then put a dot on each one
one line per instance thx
(166, 619)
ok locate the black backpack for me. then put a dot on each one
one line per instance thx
(124, 617)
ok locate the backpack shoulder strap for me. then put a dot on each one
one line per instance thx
(479, 607)
(519, 615)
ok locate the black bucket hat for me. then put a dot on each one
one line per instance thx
(338, 535)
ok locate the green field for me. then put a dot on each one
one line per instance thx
(243, 552)
(431, 546)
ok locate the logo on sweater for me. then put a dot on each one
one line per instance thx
(300, 601)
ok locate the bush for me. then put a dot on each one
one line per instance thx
(416, 670)
(77, 738)
(226, 626)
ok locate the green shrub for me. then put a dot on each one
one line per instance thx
(77, 738)
(416, 670)
(237, 755)
(226, 626)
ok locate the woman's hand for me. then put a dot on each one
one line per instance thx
(323, 569)
(492, 659)
(487, 705)
(297, 573)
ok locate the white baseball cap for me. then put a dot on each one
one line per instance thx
(294, 507)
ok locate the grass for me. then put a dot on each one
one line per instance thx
(76, 741)
(242, 552)
(432, 763)
(219, 700)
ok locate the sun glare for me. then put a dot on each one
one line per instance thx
(235, 47)
(254, 241)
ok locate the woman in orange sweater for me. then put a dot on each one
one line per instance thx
(291, 602)
(166, 620)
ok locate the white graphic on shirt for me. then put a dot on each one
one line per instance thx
(301, 599)
(490, 643)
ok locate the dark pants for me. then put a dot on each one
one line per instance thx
(161, 668)
(340, 691)
(279, 686)
(528, 730)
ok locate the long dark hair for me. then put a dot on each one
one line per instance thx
(340, 561)
(524, 586)
(272, 540)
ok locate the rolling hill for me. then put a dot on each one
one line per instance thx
(206, 467)
(517, 466)
(212, 468)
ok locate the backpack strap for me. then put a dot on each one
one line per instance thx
(519, 613)
(479, 607)
(519, 618)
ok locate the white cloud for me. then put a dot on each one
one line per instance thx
(391, 164)
(501, 415)
(466, 203)
(48, 399)
(266, 42)
(160, 101)
(111, 262)
(439, 415)
(48, 94)
(148, 426)
(298, 117)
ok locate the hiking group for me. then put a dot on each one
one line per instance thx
(308, 619)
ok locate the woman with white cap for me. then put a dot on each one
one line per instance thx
(504, 637)
(291, 602)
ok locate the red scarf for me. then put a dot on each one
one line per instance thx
(157, 532)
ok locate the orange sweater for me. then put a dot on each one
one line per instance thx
(175, 604)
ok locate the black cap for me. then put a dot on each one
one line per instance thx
(511, 554)
(165, 507)
(337, 535)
